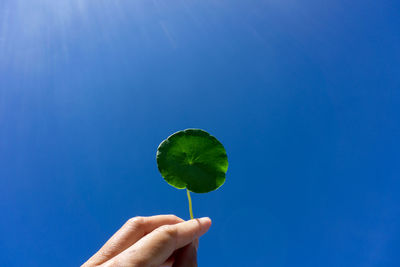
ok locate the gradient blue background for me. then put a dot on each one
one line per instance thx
(304, 95)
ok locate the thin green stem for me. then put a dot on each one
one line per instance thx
(190, 203)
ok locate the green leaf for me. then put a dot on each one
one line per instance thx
(192, 159)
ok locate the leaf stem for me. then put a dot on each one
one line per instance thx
(190, 203)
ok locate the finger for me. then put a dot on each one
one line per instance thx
(133, 230)
(156, 247)
(170, 261)
(187, 256)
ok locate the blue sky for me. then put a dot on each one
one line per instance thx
(304, 95)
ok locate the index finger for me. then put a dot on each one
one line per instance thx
(133, 230)
(156, 247)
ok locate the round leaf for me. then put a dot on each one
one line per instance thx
(192, 159)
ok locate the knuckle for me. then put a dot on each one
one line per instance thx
(169, 232)
(135, 222)
(174, 217)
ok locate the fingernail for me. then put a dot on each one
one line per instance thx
(205, 220)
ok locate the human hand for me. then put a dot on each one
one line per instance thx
(162, 240)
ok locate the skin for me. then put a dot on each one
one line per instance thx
(162, 240)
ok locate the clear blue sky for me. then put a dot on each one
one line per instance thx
(304, 95)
